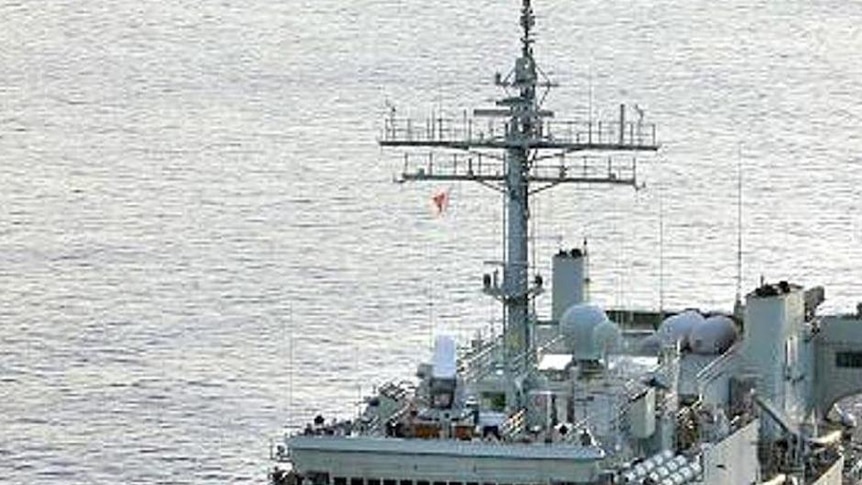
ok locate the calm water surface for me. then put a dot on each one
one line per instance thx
(200, 240)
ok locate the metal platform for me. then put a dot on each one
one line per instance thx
(470, 133)
(477, 167)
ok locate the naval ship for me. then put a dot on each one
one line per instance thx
(590, 395)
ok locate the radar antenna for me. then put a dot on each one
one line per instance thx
(538, 153)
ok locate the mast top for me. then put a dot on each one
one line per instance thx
(528, 20)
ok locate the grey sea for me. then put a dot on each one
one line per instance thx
(200, 241)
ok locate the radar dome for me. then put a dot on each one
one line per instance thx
(588, 332)
(714, 336)
(678, 327)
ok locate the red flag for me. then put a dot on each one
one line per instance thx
(440, 200)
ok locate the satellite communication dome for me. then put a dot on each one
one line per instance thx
(588, 332)
(714, 336)
(678, 327)
(578, 321)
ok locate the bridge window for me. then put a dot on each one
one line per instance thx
(851, 360)
(406, 482)
(389, 482)
(373, 481)
(339, 481)
(357, 481)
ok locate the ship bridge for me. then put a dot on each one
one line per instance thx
(838, 360)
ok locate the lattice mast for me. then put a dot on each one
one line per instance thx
(528, 137)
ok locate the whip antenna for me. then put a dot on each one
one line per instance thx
(738, 303)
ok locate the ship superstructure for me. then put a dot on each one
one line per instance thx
(589, 395)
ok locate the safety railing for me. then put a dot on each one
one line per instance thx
(474, 166)
(492, 131)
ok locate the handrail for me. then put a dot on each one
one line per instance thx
(514, 425)
(478, 364)
(474, 166)
(717, 363)
(470, 130)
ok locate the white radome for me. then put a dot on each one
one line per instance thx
(588, 332)
(714, 336)
(676, 329)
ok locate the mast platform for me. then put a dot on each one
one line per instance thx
(477, 167)
(471, 133)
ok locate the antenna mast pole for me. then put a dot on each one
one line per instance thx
(738, 302)
(523, 121)
(523, 131)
